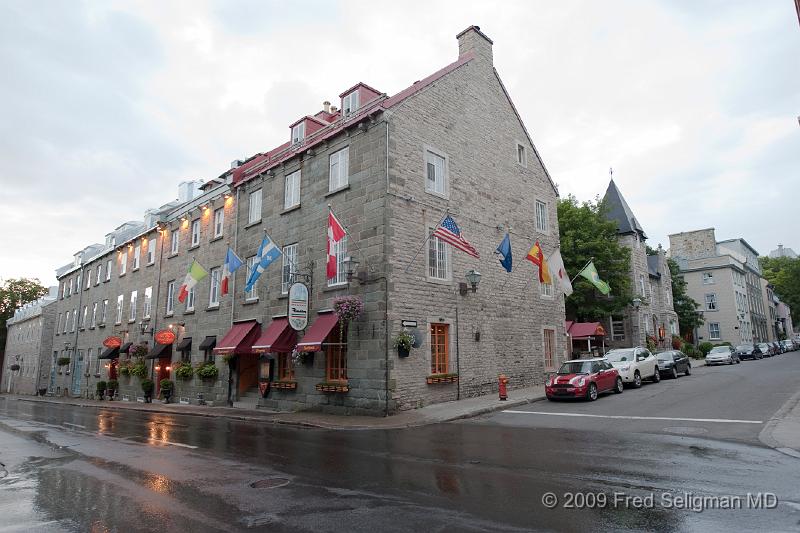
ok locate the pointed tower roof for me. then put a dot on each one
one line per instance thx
(620, 212)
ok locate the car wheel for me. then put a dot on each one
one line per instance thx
(618, 386)
(637, 380)
(688, 370)
(550, 398)
(657, 376)
(674, 373)
(591, 394)
(738, 360)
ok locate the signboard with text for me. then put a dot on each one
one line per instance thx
(298, 306)
(112, 342)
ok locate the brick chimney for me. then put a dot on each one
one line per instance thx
(474, 40)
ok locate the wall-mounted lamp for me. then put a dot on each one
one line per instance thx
(473, 279)
(637, 302)
(144, 328)
(350, 265)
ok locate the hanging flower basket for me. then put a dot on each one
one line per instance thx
(332, 387)
(140, 350)
(62, 361)
(403, 342)
(441, 378)
(284, 385)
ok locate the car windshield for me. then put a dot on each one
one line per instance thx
(744, 347)
(575, 367)
(763, 345)
(615, 356)
(720, 349)
(665, 356)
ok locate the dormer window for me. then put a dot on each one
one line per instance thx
(298, 133)
(350, 103)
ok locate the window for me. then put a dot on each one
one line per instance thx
(94, 315)
(336, 355)
(219, 221)
(711, 302)
(66, 321)
(175, 239)
(648, 323)
(97, 361)
(350, 103)
(713, 331)
(104, 312)
(58, 324)
(123, 267)
(289, 266)
(546, 289)
(340, 251)
(522, 157)
(74, 320)
(213, 295)
(298, 132)
(170, 297)
(617, 328)
(549, 348)
(148, 302)
(78, 284)
(435, 166)
(438, 267)
(291, 195)
(151, 251)
(641, 285)
(708, 278)
(69, 291)
(99, 274)
(137, 250)
(285, 367)
(253, 293)
(541, 216)
(132, 308)
(190, 299)
(84, 316)
(88, 278)
(440, 348)
(673, 328)
(254, 207)
(196, 232)
(339, 169)
(108, 270)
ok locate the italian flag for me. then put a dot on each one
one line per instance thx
(195, 274)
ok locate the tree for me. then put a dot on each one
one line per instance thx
(587, 234)
(685, 306)
(784, 274)
(13, 294)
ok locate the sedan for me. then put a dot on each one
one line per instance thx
(583, 378)
(788, 345)
(672, 363)
(720, 355)
(766, 349)
(749, 351)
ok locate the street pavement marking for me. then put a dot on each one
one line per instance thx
(179, 444)
(722, 420)
(74, 425)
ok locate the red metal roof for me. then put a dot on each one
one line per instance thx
(239, 338)
(586, 329)
(360, 84)
(278, 337)
(312, 340)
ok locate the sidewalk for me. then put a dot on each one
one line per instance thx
(432, 414)
(782, 432)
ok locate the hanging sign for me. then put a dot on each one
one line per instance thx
(112, 342)
(298, 306)
(164, 336)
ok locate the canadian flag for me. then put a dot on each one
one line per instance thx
(335, 234)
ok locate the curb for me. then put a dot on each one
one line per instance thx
(766, 434)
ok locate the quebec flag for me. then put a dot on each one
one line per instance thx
(267, 253)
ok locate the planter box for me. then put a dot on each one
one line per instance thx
(430, 380)
(284, 385)
(332, 387)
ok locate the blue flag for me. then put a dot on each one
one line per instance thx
(505, 250)
(267, 253)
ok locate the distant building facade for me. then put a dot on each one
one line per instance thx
(29, 343)
(780, 251)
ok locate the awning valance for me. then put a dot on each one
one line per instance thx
(278, 337)
(322, 326)
(583, 330)
(125, 347)
(110, 353)
(185, 345)
(159, 350)
(208, 343)
(239, 339)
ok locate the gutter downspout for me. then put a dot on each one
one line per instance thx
(77, 328)
(386, 276)
(233, 288)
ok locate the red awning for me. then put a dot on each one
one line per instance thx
(278, 337)
(239, 338)
(579, 330)
(312, 340)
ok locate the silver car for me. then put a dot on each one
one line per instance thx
(722, 355)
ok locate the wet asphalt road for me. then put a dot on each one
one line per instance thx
(85, 469)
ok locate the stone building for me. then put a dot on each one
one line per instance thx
(724, 282)
(652, 314)
(390, 168)
(771, 311)
(29, 342)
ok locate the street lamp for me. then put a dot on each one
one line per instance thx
(144, 328)
(350, 265)
(473, 278)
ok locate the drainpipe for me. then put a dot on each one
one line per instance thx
(77, 323)
(386, 276)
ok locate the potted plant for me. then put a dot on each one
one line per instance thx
(403, 342)
(207, 371)
(147, 389)
(184, 370)
(101, 389)
(138, 351)
(124, 370)
(63, 361)
(166, 389)
(112, 387)
(138, 369)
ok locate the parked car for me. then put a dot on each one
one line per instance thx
(583, 378)
(788, 345)
(672, 363)
(722, 355)
(634, 365)
(766, 349)
(749, 351)
(778, 347)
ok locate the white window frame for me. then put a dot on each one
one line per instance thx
(288, 266)
(340, 250)
(108, 270)
(254, 206)
(291, 190)
(432, 157)
(151, 251)
(104, 312)
(99, 276)
(66, 322)
(71, 283)
(84, 316)
(541, 216)
(74, 319)
(711, 303)
(137, 252)
(708, 278)
(441, 270)
(123, 262)
(148, 302)
(219, 222)
(711, 328)
(88, 278)
(298, 132)
(350, 103)
(641, 285)
(170, 308)
(93, 323)
(215, 276)
(174, 241)
(190, 299)
(546, 290)
(120, 306)
(339, 169)
(251, 295)
(522, 155)
(195, 229)
(132, 307)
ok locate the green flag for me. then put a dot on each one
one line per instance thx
(590, 272)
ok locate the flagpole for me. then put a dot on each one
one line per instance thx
(581, 270)
(446, 212)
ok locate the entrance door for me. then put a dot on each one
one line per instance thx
(163, 372)
(248, 372)
(77, 374)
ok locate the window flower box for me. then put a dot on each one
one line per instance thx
(332, 387)
(285, 385)
(441, 378)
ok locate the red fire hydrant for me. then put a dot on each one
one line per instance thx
(503, 389)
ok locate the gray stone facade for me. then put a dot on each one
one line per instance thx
(29, 342)
(492, 177)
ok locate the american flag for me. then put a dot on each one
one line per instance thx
(448, 232)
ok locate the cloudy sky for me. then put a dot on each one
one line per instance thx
(106, 106)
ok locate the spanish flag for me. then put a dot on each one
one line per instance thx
(536, 257)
